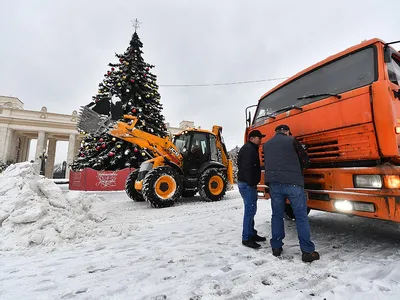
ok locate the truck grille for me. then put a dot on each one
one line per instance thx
(314, 181)
(351, 143)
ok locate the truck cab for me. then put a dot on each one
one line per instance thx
(345, 111)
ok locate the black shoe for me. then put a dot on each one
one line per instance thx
(277, 251)
(258, 238)
(309, 256)
(251, 244)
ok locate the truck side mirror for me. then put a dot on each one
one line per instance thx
(387, 55)
(248, 116)
(248, 121)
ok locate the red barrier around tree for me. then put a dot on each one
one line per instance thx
(92, 180)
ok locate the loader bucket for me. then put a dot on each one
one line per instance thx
(91, 122)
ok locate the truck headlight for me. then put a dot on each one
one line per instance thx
(343, 205)
(392, 181)
(368, 181)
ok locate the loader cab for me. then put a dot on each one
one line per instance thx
(197, 148)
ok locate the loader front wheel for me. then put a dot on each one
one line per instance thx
(130, 187)
(162, 186)
(212, 184)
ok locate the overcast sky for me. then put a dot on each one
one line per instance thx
(54, 53)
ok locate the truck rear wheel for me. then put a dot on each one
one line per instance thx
(289, 214)
(130, 187)
(212, 184)
(162, 186)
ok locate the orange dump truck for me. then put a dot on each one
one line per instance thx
(345, 111)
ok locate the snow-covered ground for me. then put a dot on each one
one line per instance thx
(190, 251)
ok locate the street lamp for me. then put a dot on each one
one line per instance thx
(43, 158)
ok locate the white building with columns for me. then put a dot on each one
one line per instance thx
(18, 127)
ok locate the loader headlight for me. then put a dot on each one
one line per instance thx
(368, 181)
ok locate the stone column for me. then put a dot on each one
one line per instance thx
(7, 137)
(71, 152)
(24, 149)
(77, 145)
(3, 139)
(51, 156)
(41, 145)
(28, 147)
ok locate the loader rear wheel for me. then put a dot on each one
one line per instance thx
(130, 187)
(162, 186)
(212, 184)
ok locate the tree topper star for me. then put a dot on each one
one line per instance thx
(136, 24)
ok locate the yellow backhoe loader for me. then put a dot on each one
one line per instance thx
(195, 160)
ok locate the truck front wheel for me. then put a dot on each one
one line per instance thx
(289, 214)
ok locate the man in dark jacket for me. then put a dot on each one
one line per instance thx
(284, 159)
(249, 175)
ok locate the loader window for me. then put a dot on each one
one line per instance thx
(199, 144)
(347, 73)
(182, 141)
(213, 148)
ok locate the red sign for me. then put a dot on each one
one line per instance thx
(92, 180)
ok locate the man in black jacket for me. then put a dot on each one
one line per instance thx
(284, 159)
(249, 175)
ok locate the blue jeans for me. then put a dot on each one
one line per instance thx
(296, 195)
(249, 195)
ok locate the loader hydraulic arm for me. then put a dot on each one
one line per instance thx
(157, 145)
(217, 130)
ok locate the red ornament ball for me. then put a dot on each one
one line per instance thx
(108, 73)
(135, 150)
(132, 80)
(98, 148)
(101, 140)
(111, 154)
(103, 146)
(134, 110)
(145, 75)
(82, 155)
(112, 69)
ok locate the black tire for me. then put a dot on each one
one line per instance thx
(162, 186)
(188, 193)
(289, 214)
(130, 187)
(212, 184)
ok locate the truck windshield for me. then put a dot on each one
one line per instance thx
(344, 74)
(394, 70)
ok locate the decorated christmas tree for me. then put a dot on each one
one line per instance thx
(128, 88)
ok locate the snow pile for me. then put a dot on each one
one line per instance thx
(34, 211)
